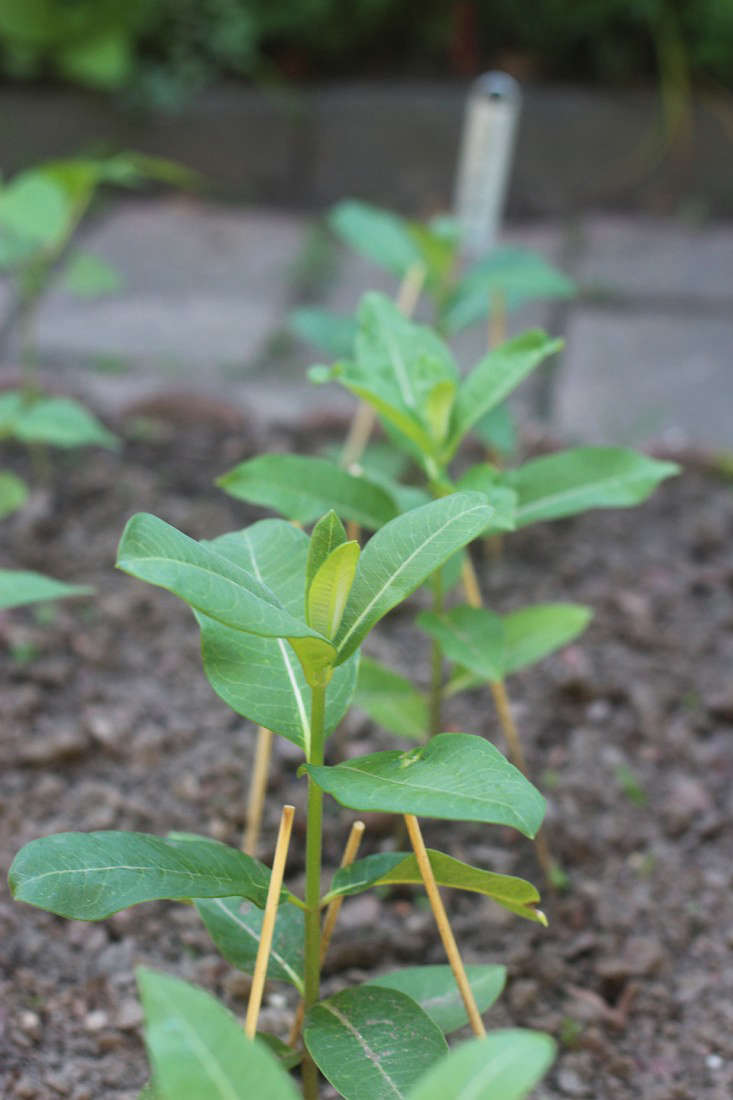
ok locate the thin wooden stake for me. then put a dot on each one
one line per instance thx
(332, 912)
(257, 788)
(497, 319)
(268, 921)
(444, 928)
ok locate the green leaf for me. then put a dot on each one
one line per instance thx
(332, 333)
(515, 274)
(58, 421)
(88, 276)
(153, 551)
(18, 588)
(483, 478)
(378, 235)
(372, 1043)
(302, 488)
(88, 876)
(494, 377)
(102, 61)
(402, 555)
(235, 926)
(327, 534)
(329, 589)
(13, 493)
(390, 700)
(197, 1049)
(261, 678)
(399, 868)
(286, 1055)
(456, 776)
(498, 431)
(577, 480)
(33, 207)
(435, 990)
(533, 632)
(504, 1065)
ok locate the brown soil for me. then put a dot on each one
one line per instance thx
(108, 722)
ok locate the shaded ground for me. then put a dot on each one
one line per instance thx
(108, 722)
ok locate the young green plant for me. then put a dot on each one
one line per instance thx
(282, 619)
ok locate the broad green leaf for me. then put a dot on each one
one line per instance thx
(505, 1065)
(483, 478)
(235, 926)
(435, 990)
(153, 551)
(286, 1055)
(302, 488)
(13, 493)
(378, 235)
(533, 632)
(89, 276)
(390, 700)
(398, 868)
(88, 876)
(327, 534)
(58, 421)
(515, 275)
(402, 555)
(498, 431)
(332, 333)
(198, 1050)
(32, 206)
(261, 678)
(457, 776)
(329, 589)
(577, 480)
(471, 637)
(18, 588)
(494, 377)
(372, 1043)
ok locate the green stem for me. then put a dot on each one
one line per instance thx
(436, 680)
(313, 846)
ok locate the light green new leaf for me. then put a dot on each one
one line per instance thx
(153, 551)
(514, 275)
(378, 235)
(198, 1050)
(57, 421)
(583, 478)
(235, 926)
(390, 700)
(88, 876)
(435, 990)
(13, 493)
(261, 678)
(302, 488)
(456, 776)
(504, 1065)
(399, 868)
(327, 534)
(372, 1043)
(329, 589)
(332, 333)
(493, 378)
(402, 555)
(18, 587)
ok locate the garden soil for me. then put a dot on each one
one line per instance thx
(109, 723)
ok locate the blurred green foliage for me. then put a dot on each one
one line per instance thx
(162, 50)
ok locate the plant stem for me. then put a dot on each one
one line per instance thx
(257, 788)
(436, 680)
(268, 921)
(313, 849)
(444, 928)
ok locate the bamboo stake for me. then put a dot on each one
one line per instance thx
(444, 928)
(329, 922)
(268, 921)
(497, 319)
(257, 788)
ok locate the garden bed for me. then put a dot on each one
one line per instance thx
(109, 723)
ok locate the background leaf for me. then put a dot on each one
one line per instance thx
(197, 1049)
(574, 481)
(533, 632)
(235, 926)
(435, 990)
(390, 700)
(57, 421)
(380, 236)
(456, 775)
(88, 876)
(13, 493)
(372, 1043)
(89, 276)
(504, 1065)
(332, 333)
(19, 587)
